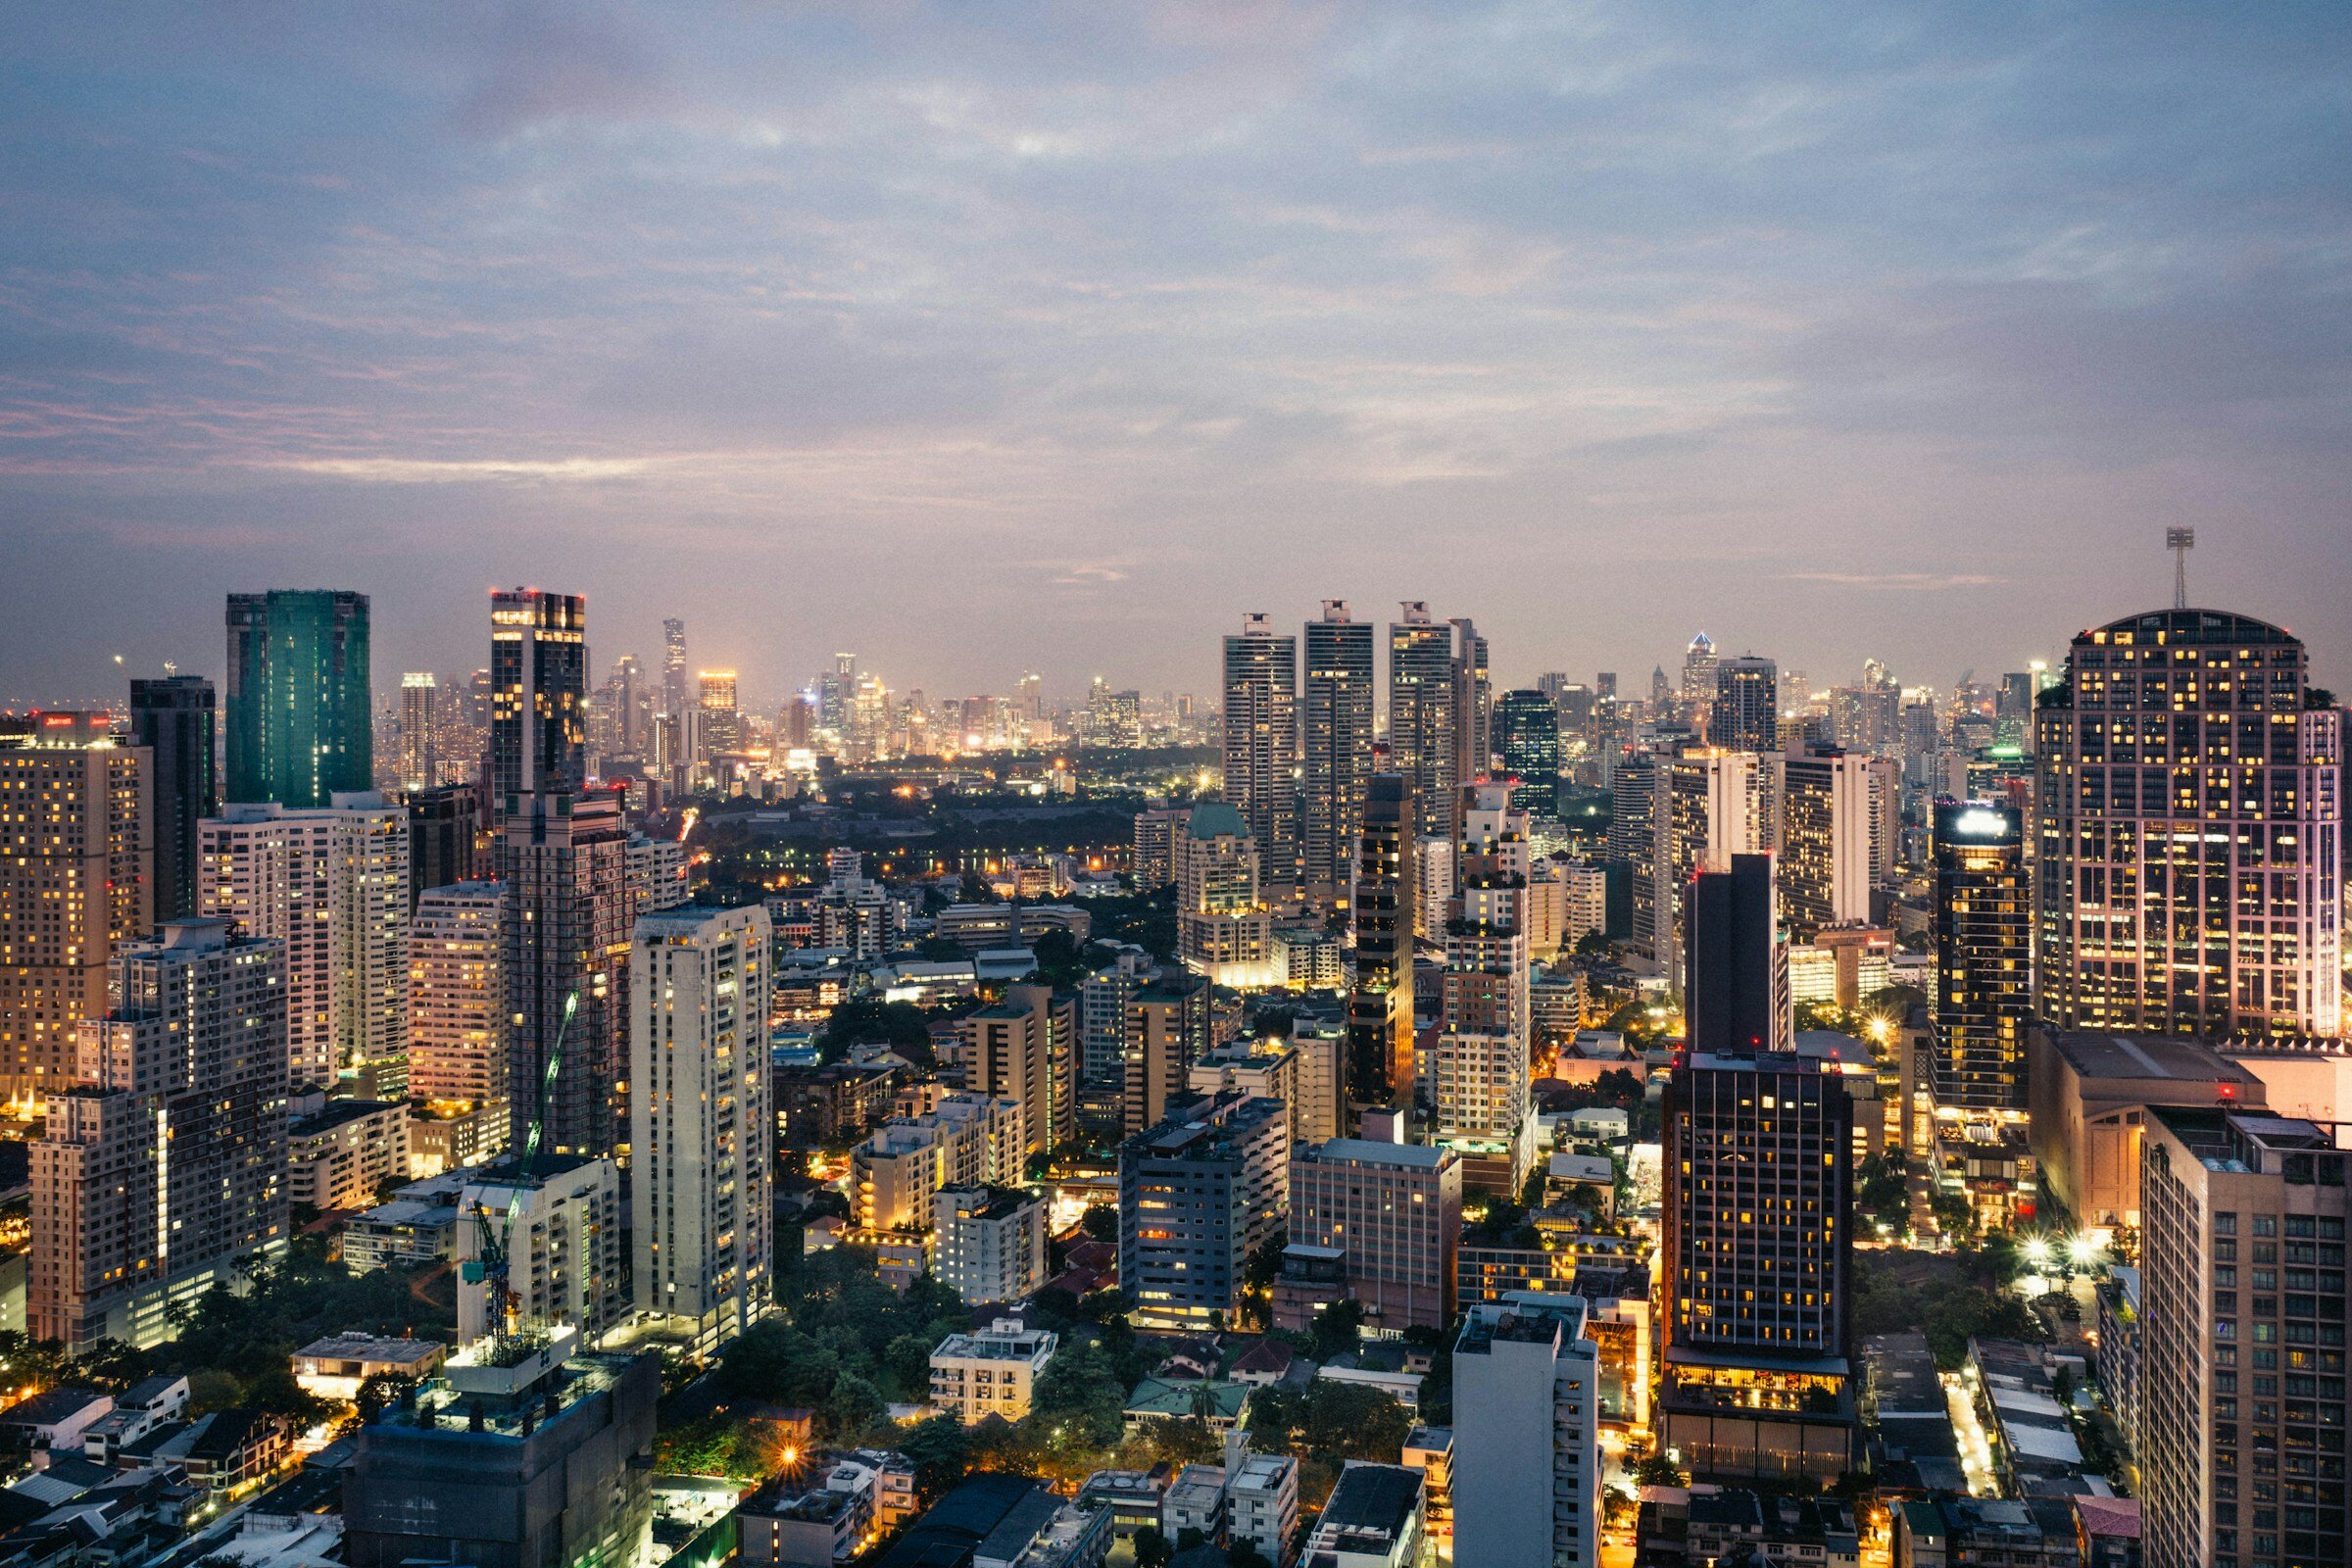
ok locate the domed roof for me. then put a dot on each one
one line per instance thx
(2207, 627)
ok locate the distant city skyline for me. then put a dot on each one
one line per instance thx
(1000, 339)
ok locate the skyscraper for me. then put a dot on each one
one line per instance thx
(1527, 732)
(1224, 929)
(76, 877)
(1698, 678)
(172, 717)
(699, 1121)
(1380, 1003)
(1483, 1106)
(717, 716)
(1745, 714)
(1983, 926)
(164, 1168)
(1423, 738)
(565, 860)
(1708, 805)
(419, 727)
(331, 883)
(2243, 1408)
(299, 727)
(538, 694)
(1756, 1259)
(1337, 753)
(1472, 706)
(673, 668)
(2190, 870)
(1736, 997)
(457, 1052)
(1826, 869)
(1025, 1048)
(1261, 747)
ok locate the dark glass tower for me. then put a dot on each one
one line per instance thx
(1737, 969)
(1526, 731)
(1745, 714)
(1261, 747)
(299, 726)
(172, 717)
(1983, 957)
(1336, 755)
(538, 694)
(1423, 735)
(1379, 1008)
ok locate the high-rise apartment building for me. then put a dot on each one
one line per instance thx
(1102, 998)
(1394, 1212)
(1472, 706)
(1483, 1103)
(1526, 734)
(1262, 745)
(2188, 832)
(1025, 1048)
(1167, 1031)
(330, 882)
(172, 718)
(1424, 731)
(76, 877)
(1984, 929)
(1746, 713)
(964, 1141)
(988, 1244)
(538, 694)
(419, 730)
(699, 1126)
(1828, 806)
(1737, 997)
(444, 837)
(1336, 750)
(2242, 1406)
(298, 703)
(1380, 1000)
(673, 668)
(1708, 805)
(164, 1168)
(1198, 1193)
(1758, 1210)
(458, 1003)
(1633, 843)
(1525, 1465)
(1224, 928)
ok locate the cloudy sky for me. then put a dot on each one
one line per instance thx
(977, 337)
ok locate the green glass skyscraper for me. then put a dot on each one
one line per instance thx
(297, 716)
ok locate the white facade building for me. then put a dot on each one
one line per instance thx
(988, 1244)
(991, 1372)
(699, 1121)
(564, 1240)
(330, 882)
(1525, 1390)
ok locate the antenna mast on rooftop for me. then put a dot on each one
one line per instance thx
(2179, 541)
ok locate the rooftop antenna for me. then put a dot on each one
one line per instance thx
(2179, 541)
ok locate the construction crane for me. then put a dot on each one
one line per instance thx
(495, 1246)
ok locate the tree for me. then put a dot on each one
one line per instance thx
(853, 1405)
(276, 1391)
(1100, 1222)
(1245, 1554)
(1152, 1548)
(1657, 1471)
(907, 1361)
(1337, 1328)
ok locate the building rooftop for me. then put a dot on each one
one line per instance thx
(1215, 819)
(1374, 1499)
(2177, 1058)
(1371, 1152)
(367, 1347)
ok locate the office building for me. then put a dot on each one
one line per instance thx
(718, 717)
(1167, 1031)
(2190, 872)
(1745, 715)
(2087, 1098)
(992, 1371)
(1697, 690)
(699, 1123)
(165, 1166)
(2243, 1408)
(1024, 1048)
(419, 730)
(538, 694)
(1526, 1389)
(1633, 843)
(1473, 707)
(1422, 723)
(545, 1464)
(964, 1141)
(1334, 751)
(988, 1244)
(1984, 958)
(1224, 926)
(1827, 868)
(171, 717)
(331, 882)
(1737, 997)
(1261, 747)
(1395, 1212)
(299, 731)
(1380, 1001)
(1708, 805)
(77, 878)
(564, 1234)
(1527, 733)
(1198, 1194)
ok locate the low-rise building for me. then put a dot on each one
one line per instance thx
(138, 1410)
(863, 1497)
(52, 1422)
(1948, 1532)
(339, 1151)
(400, 1234)
(1430, 1451)
(1786, 1532)
(333, 1368)
(1195, 1500)
(1261, 1505)
(991, 1372)
(1373, 1519)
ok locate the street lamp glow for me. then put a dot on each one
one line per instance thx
(2037, 1251)
(2085, 1251)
